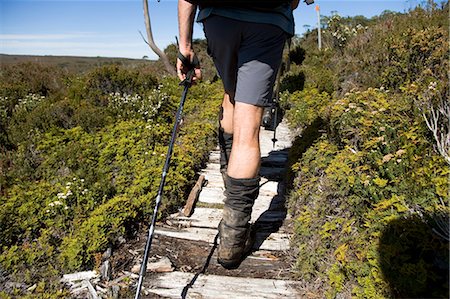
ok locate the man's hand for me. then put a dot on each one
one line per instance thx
(186, 15)
(294, 4)
(183, 69)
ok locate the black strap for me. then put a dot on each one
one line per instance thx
(190, 65)
(195, 63)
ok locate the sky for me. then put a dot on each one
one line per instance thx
(110, 28)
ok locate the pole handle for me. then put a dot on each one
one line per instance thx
(191, 66)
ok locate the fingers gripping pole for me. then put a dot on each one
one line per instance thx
(186, 83)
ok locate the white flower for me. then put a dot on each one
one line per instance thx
(432, 85)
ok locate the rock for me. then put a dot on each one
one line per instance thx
(162, 265)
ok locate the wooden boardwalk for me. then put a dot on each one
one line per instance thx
(269, 216)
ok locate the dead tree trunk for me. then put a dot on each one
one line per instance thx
(170, 68)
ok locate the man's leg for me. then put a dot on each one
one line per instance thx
(241, 186)
(245, 155)
(226, 114)
(226, 130)
(247, 66)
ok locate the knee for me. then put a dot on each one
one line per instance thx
(246, 136)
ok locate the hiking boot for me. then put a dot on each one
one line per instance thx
(231, 257)
(236, 235)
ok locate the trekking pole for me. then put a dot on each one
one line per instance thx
(277, 87)
(275, 105)
(186, 83)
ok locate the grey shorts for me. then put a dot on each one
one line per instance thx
(247, 57)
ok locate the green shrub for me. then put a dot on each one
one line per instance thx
(304, 107)
(127, 106)
(111, 79)
(22, 87)
(374, 167)
(318, 71)
(389, 50)
(74, 192)
(292, 82)
(17, 81)
(297, 55)
(397, 50)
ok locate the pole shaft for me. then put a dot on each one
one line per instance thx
(160, 193)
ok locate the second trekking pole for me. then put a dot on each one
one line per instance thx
(186, 83)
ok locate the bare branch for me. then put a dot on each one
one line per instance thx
(440, 130)
(143, 38)
(170, 68)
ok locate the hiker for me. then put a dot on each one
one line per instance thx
(246, 45)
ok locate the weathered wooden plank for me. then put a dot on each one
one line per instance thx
(85, 275)
(212, 175)
(214, 180)
(214, 155)
(274, 241)
(209, 195)
(193, 196)
(217, 287)
(215, 196)
(269, 187)
(202, 217)
(267, 171)
(213, 192)
(92, 290)
(210, 218)
(214, 160)
(212, 167)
